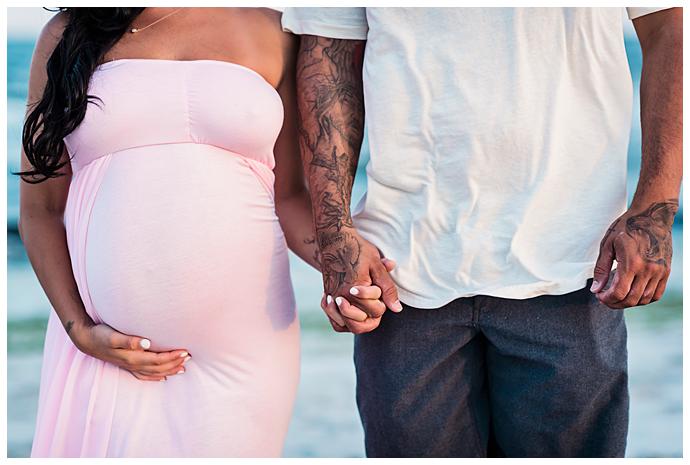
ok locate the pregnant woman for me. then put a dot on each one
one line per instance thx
(162, 183)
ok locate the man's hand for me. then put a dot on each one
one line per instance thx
(640, 240)
(641, 243)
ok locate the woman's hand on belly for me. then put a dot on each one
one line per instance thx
(130, 353)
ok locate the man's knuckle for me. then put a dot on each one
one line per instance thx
(390, 291)
(599, 268)
(618, 294)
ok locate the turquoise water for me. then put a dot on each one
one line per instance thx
(325, 422)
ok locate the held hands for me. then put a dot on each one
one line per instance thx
(641, 243)
(345, 317)
(357, 280)
(129, 352)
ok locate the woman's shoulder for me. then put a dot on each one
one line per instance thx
(51, 34)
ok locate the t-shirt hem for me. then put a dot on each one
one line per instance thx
(520, 292)
(333, 31)
(638, 12)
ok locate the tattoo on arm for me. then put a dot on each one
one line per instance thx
(331, 127)
(340, 256)
(86, 320)
(317, 253)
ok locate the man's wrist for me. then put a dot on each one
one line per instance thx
(642, 203)
(341, 251)
(333, 237)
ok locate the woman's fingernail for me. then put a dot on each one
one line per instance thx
(329, 299)
(595, 285)
(163, 379)
(187, 359)
(338, 300)
(183, 354)
(180, 372)
(145, 344)
(397, 306)
(354, 291)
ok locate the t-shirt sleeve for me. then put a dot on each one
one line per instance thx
(637, 11)
(336, 23)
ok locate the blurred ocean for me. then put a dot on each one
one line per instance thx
(655, 331)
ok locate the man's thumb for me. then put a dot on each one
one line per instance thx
(602, 268)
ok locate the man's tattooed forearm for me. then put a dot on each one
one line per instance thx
(331, 124)
(317, 253)
(652, 229)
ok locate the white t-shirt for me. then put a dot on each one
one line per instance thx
(498, 142)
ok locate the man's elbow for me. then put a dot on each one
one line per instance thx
(666, 36)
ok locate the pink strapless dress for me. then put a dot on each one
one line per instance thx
(173, 236)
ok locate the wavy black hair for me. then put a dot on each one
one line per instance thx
(88, 35)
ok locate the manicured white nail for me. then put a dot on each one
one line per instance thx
(329, 299)
(338, 300)
(145, 344)
(187, 359)
(183, 354)
(354, 291)
(180, 372)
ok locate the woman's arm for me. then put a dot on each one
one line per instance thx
(293, 205)
(41, 209)
(42, 230)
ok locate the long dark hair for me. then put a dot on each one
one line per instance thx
(88, 35)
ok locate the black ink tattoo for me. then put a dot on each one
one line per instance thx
(331, 127)
(340, 262)
(317, 253)
(652, 229)
(68, 326)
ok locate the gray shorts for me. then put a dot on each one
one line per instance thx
(485, 376)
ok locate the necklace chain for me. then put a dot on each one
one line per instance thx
(134, 30)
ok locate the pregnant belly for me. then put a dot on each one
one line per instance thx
(184, 248)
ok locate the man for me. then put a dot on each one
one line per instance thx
(498, 142)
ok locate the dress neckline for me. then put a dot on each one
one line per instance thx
(104, 66)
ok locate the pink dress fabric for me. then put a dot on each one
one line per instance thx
(173, 236)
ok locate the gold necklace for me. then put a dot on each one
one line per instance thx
(134, 30)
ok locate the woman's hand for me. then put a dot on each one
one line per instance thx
(129, 352)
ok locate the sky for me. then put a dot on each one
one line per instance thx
(26, 22)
